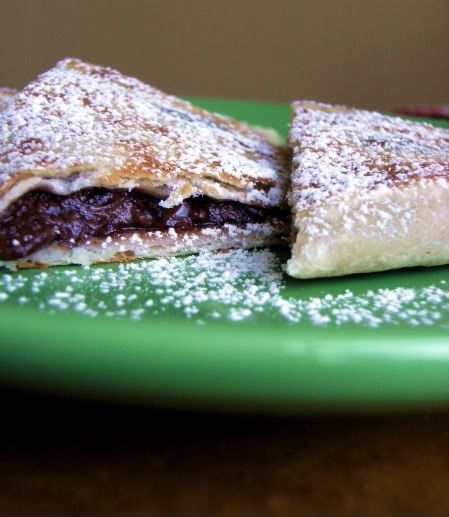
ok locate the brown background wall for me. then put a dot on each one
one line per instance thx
(368, 53)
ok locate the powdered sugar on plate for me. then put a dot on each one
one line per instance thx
(235, 286)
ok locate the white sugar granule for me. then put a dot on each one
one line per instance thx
(235, 286)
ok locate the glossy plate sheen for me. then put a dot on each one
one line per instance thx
(264, 363)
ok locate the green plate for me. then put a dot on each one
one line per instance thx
(254, 340)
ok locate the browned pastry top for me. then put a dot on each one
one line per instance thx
(343, 151)
(80, 125)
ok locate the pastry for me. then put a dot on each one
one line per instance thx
(99, 167)
(369, 192)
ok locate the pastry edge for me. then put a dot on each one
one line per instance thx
(387, 228)
(143, 244)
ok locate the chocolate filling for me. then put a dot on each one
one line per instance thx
(41, 218)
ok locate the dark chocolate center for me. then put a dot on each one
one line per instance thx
(41, 218)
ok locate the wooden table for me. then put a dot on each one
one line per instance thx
(70, 458)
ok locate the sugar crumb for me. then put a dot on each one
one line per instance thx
(233, 286)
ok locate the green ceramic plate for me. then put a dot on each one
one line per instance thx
(274, 344)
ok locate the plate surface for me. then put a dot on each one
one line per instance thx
(173, 333)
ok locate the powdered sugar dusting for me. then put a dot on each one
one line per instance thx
(235, 286)
(343, 151)
(97, 127)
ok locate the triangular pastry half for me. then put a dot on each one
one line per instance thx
(96, 166)
(369, 192)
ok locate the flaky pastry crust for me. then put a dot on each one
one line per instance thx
(80, 125)
(369, 192)
(150, 244)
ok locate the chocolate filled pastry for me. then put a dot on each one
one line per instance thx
(99, 167)
(369, 192)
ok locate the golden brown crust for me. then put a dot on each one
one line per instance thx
(80, 125)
